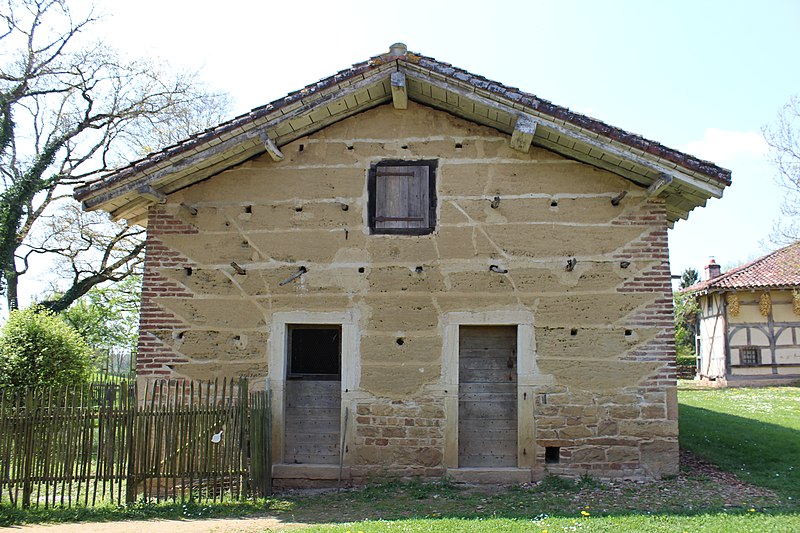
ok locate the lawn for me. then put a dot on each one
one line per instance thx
(752, 433)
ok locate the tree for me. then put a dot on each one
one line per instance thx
(686, 316)
(686, 313)
(107, 317)
(689, 278)
(69, 112)
(37, 348)
(783, 138)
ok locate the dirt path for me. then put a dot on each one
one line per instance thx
(215, 525)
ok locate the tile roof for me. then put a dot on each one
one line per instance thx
(780, 268)
(190, 160)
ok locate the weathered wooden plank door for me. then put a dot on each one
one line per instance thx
(313, 395)
(487, 396)
(312, 422)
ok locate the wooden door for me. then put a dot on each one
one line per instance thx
(313, 394)
(487, 396)
(312, 422)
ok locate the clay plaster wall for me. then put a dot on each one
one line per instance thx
(776, 334)
(603, 339)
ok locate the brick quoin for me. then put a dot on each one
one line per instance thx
(154, 357)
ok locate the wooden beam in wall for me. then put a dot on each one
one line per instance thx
(150, 193)
(662, 182)
(272, 148)
(523, 133)
(399, 91)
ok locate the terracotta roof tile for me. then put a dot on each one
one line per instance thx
(632, 140)
(780, 268)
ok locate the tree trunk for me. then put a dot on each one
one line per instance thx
(12, 282)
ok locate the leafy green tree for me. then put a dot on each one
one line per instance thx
(686, 319)
(107, 317)
(689, 278)
(38, 348)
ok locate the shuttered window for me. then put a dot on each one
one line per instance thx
(402, 197)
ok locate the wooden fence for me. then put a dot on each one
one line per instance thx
(103, 443)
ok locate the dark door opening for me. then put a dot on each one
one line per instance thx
(313, 394)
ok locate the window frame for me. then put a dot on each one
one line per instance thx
(291, 374)
(755, 349)
(372, 201)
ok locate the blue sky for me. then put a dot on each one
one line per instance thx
(699, 76)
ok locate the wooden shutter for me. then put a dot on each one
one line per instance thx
(402, 197)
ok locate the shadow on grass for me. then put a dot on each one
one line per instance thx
(554, 499)
(444, 506)
(758, 452)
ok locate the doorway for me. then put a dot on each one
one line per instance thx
(487, 396)
(313, 394)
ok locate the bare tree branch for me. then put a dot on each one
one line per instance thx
(783, 138)
(67, 115)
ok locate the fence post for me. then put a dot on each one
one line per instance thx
(132, 407)
(27, 440)
(260, 467)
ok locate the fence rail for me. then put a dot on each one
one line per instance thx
(103, 443)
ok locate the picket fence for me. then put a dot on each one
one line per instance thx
(111, 443)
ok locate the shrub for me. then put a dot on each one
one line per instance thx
(38, 348)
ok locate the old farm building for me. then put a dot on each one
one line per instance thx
(749, 328)
(436, 273)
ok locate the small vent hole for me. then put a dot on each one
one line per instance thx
(552, 454)
(299, 209)
(404, 147)
(573, 331)
(350, 148)
(400, 341)
(554, 203)
(360, 270)
(302, 147)
(459, 146)
(628, 332)
(188, 271)
(248, 209)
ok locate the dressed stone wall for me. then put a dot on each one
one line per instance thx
(600, 383)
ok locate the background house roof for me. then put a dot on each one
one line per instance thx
(684, 181)
(780, 269)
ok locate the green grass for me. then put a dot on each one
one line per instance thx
(139, 511)
(717, 522)
(753, 433)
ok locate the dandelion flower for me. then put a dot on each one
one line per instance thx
(584, 513)
(751, 510)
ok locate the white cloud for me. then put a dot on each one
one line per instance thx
(721, 146)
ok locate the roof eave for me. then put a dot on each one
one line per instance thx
(367, 85)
